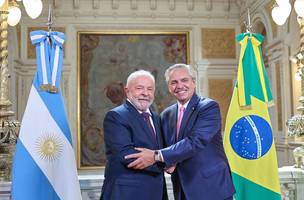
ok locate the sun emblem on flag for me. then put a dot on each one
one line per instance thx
(49, 147)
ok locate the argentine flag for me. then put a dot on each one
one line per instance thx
(44, 166)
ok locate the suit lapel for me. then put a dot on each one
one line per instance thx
(142, 123)
(189, 110)
(173, 121)
(156, 124)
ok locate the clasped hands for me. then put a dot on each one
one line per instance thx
(144, 158)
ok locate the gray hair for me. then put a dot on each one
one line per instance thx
(179, 66)
(137, 74)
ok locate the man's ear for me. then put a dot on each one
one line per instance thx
(126, 90)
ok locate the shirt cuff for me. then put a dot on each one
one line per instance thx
(161, 156)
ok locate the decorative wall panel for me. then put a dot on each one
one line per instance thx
(221, 91)
(218, 43)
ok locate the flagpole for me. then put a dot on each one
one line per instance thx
(50, 18)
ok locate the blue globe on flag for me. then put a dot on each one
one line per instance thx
(251, 137)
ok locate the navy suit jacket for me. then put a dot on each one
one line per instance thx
(202, 169)
(124, 129)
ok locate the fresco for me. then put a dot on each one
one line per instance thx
(105, 61)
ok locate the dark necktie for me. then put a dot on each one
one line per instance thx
(146, 117)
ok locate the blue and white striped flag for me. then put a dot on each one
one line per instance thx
(44, 164)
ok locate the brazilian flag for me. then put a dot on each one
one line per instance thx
(248, 138)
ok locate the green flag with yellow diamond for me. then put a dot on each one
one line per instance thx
(248, 138)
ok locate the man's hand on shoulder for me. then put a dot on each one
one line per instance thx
(144, 158)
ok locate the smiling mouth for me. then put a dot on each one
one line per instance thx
(144, 100)
(181, 92)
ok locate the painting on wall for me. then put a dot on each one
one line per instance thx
(104, 62)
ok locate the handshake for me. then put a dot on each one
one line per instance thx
(145, 158)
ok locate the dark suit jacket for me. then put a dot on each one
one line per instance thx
(124, 129)
(202, 169)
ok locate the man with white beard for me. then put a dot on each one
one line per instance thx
(127, 126)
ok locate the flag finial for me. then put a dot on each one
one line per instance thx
(50, 18)
(248, 23)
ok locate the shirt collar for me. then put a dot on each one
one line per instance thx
(184, 105)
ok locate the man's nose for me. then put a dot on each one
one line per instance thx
(179, 84)
(145, 92)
